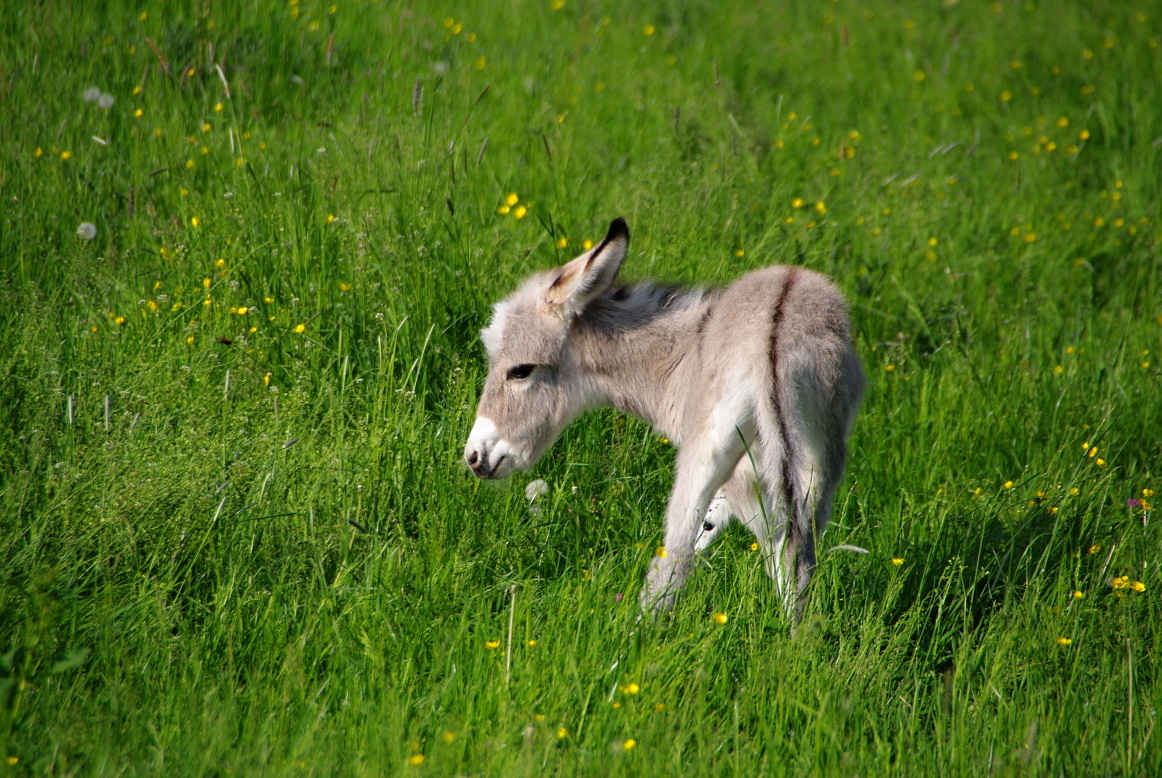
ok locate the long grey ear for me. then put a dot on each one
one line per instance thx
(590, 274)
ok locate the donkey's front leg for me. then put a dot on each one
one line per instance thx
(699, 475)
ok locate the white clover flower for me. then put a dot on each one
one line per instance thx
(92, 94)
(105, 100)
(87, 230)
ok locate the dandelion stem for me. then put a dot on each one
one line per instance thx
(1129, 705)
(508, 648)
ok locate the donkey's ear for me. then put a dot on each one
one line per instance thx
(590, 274)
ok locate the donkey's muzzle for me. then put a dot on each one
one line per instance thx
(486, 451)
(478, 463)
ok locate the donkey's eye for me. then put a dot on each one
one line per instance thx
(520, 372)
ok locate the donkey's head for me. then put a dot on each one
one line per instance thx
(534, 388)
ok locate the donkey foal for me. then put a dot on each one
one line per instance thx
(756, 384)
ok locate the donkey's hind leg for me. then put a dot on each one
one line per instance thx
(765, 517)
(817, 458)
(717, 519)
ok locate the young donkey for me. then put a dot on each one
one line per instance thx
(756, 384)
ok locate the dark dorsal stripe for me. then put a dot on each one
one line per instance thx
(780, 416)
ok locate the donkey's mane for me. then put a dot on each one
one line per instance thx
(635, 305)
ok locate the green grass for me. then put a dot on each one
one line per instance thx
(228, 546)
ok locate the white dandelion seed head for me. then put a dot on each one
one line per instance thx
(440, 66)
(92, 94)
(87, 230)
(105, 100)
(535, 489)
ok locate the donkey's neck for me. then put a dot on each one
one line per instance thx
(633, 347)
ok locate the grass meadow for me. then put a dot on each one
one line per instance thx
(245, 253)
